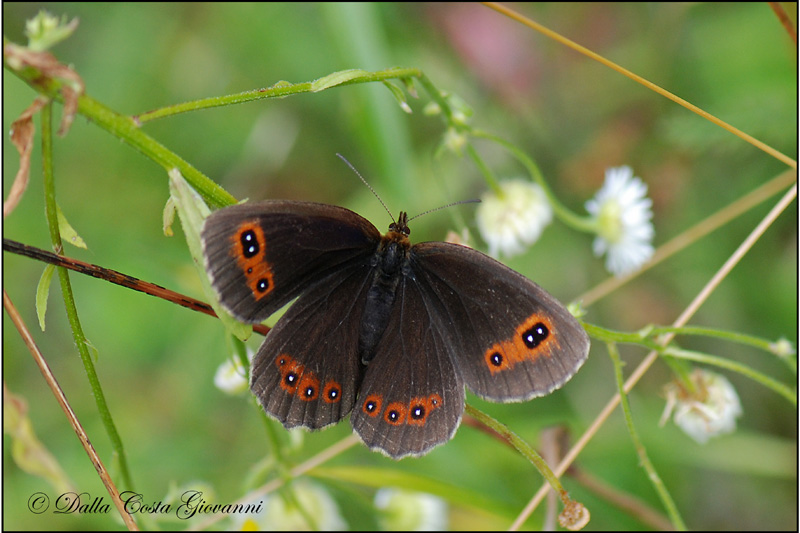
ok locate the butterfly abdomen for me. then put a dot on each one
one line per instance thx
(391, 257)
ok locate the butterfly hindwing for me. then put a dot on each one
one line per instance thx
(512, 340)
(261, 255)
(307, 371)
(412, 395)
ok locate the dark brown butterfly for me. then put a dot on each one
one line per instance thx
(385, 330)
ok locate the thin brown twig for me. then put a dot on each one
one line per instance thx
(555, 443)
(51, 381)
(622, 500)
(783, 17)
(638, 79)
(115, 277)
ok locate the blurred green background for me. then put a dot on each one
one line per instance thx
(575, 117)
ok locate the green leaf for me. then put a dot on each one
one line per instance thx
(399, 95)
(27, 451)
(337, 78)
(93, 349)
(193, 212)
(42, 291)
(410, 87)
(68, 233)
(168, 217)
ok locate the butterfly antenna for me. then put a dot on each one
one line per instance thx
(473, 201)
(340, 156)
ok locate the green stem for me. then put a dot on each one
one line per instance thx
(757, 342)
(69, 300)
(585, 224)
(484, 168)
(128, 128)
(610, 335)
(643, 338)
(740, 338)
(125, 128)
(240, 352)
(439, 98)
(644, 459)
(280, 89)
(523, 447)
(767, 381)
(275, 439)
(682, 371)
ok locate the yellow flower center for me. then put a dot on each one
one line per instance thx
(609, 221)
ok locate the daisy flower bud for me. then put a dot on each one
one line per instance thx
(45, 30)
(454, 141)
(782, 348)
(231, 376)
(622, 214)
(513, 220)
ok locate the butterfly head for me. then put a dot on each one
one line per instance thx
(401, 226)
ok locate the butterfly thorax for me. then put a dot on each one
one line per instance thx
(389, 261)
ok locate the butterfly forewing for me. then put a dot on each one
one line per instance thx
(512, 340)
(412, 396)
(261, 255)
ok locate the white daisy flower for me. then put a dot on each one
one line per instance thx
(514, 219)
(622, 213)
(711, 411)
(403, 510)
